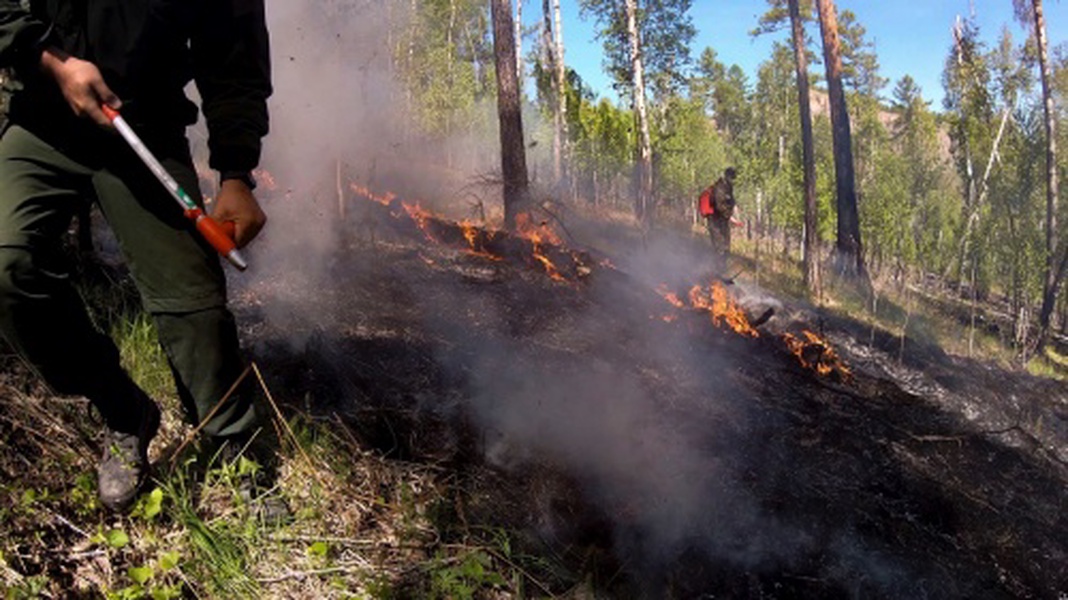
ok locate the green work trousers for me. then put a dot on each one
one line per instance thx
(45, 178)
(719, 230)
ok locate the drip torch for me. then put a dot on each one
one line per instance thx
(219, 235)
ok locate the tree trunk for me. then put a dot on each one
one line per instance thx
(1054, 273)
(513, 150)
(519, 42)
(848, 246)
(560, 74)
(808, 156)
(549, 46)
(643, 202)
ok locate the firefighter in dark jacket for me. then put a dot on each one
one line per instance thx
(59, 153)
(721, 200)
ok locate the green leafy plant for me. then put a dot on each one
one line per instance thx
(149, 506)
(462, 577)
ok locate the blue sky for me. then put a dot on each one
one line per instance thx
(912, 36)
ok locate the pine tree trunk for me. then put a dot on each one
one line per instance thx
(643, 203)
(513, 150)
(808, 155)
(848, 245)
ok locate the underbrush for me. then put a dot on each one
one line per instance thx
(363, 526)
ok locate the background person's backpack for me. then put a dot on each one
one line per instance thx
(704, 204)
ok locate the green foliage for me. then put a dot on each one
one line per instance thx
(141, 354)
(860, 65)
(116, 538)
(446, 57)
(603, 143)
(665, 29)
(724, 93)
(688, 151)
(219, 550)
(28, 588)
(778, 16)
(319, 550)
(83, 495)
(149, 505)
(149, 580)
(464, 576)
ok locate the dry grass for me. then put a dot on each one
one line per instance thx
(363, 527)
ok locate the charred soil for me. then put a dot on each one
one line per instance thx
(653, 453)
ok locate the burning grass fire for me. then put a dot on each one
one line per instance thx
(813, 352)
(816, 354)
(542, 247)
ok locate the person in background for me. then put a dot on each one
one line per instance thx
(717, 206)
(59, 152)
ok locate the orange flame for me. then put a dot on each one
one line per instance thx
(536, 232)
(670, 296)
(471, 234)
(724, 310)
(421, 217)
(538, 236)
(815, 353)
(384, 199)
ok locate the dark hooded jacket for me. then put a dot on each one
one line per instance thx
(147, 52)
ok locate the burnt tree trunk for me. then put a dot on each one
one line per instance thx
(643, 202)
(848, 246)
(513, 151)
(811, 265)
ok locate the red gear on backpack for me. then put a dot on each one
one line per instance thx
(704, 204)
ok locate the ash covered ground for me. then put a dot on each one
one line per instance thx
(646, 450)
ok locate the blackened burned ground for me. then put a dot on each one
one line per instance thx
(785, 485)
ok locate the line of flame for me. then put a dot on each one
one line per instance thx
(537, 234)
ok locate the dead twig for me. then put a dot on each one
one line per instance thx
(520, 570)
(350, 542)
(211, 413)
(346, 568)
(64, 521)
(278, 414)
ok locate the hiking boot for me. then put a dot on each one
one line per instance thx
(123, 469)
(255, 478)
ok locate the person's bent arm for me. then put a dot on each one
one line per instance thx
(81, 83)
(232, 70)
